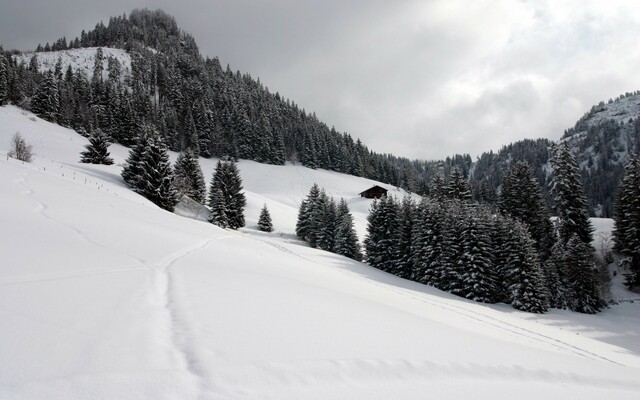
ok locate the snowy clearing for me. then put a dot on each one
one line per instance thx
(104, 295)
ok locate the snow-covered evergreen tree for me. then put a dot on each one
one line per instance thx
(568, 195)
(188, 177)
(457, 186)
(326, 229)
(627, 220)
(575, 233)
(381, 242)
(219, 209)
(132, 171)
(406, 218)
(526, 285)
(226, 183)
(156, 183)
(264, 221)
(477, 277)
(4, 79)
(306, 225)
(346, 239)
(97, 150)
(521, 198)
(581, 277)
(45, 103)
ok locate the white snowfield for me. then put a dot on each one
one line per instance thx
(105, 296)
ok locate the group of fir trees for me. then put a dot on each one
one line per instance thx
(516, 256)
(326, 225)
(459, 247)
(148, 170)
(627, 221)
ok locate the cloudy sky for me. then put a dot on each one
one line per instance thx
(423, 79)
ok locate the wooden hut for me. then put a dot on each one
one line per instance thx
(374, 192)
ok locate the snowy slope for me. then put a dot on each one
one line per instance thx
(103, 295)
(79, 59)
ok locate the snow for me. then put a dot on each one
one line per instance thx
(80, 60)
(104, 295)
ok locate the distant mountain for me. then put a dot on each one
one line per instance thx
(601, 141)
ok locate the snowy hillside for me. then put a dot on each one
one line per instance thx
(80, 60)
(103, 295)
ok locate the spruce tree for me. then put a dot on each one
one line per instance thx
(327, 226)
(306, 226)
(627, 221)
(132, 171)
(521, 198)
(568, 195)
(97, 150)
(226, 198)
(457, 186)
(574, 232)
(346, 239)
(477, 276)
(188, 177)
(581, 276)
(4, 79)
(406, 218)
(264, 221)
(381, 242)
(156, 182)
(219, 209)
(45, 103)
(524, 275)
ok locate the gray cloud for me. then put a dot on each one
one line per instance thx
(422, 79)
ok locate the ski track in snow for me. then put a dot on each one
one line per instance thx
(42, 210)
(474, 315)
(181, 329)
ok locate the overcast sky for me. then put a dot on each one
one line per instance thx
(422, 79)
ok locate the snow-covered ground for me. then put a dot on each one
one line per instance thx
(80, 60)
(103, 295)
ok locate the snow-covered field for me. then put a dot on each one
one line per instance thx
(103, 295)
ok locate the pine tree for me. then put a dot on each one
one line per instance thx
(156, 181)
(327, 227)
(306, 226)
(381, 242)
(264, 221)
(526, 286)
(406, 218)
(457, 186)
(627, 220)
(97, 150)
(568, 195)
(574, 232)
(188, 177)
(581, 276)
(4, 79)
(45, 103)
(346, 239)
(521, 198)
(227, 184)
(477, 277)
(219, 209)
(132, 171)
(426, 246)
